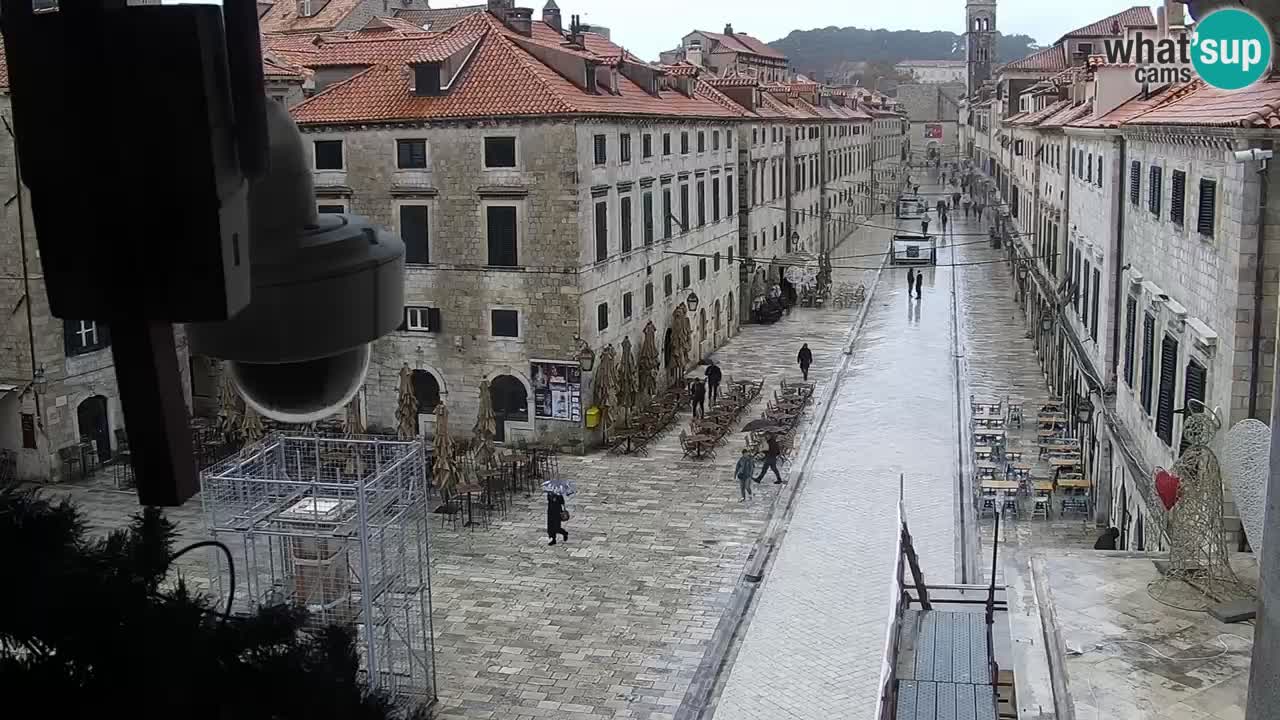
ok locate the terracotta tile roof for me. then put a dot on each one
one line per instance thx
(1051, 59)
(339, 51)
(1257, 106)
(1013, 119)
(1033, 118)
(282, 17)
(743, 43)
(277, 68)
(391, 24)
(441, 19)
(501, 79)
(718, 81)
(1131, 108)
(1136, 16)
(1067, 115)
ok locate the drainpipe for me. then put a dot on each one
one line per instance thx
(1259, 276)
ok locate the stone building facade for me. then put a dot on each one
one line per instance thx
(933, 109)
(1163, 290)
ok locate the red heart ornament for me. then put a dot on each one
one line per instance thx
(1167, 486)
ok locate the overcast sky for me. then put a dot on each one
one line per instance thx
(646, 28)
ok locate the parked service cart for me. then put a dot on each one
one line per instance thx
(913, 249)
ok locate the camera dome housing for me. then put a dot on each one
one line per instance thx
(323, 288)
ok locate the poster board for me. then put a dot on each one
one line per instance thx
(933, 131)
(557, 390)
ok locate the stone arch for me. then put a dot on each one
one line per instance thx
(93, 421)
(512, 396)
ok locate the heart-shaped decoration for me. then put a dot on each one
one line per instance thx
(1167, 485)
(1246, 468)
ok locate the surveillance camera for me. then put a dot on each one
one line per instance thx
(1251, 155)
(323, 288)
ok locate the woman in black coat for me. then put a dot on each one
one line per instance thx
(555, 506)
(805, 359)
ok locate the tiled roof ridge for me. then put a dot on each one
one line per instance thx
(1128, 17)
(335, 86)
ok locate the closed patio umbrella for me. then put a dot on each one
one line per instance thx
(647, 370)
(485, 428)
(443, 470)
(602, 388)
(625, 382)
(406, 406)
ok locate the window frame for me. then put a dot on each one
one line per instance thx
(399, 206)
(602, 316)
(518, 209)
(423, 314)
(515, 152)
(426, 154)
(600, 150)
(342, 154)
(600, 227)
(624, 148)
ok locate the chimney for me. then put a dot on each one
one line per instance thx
(520, 20)
(551, 15)
(1162, 24)
(499, 8)
(1173, 13)
(576, 37)
(426, 79)
(304, 8)
(728, 29)
(693, 53)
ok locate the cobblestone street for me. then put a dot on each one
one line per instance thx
(614, 623)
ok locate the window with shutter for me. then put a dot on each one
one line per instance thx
(602, 316)
(666, 214)
(1207, 206)
(84, 336)
(602, 231)
(414, 232)
(1153, 191)
(1135, 182)
(647, 218)
(1130, 330)
(601, 149)
(1177, 196)
(1168, 387)
(504, 323)
(624, 222)
(1093, 309)
(1193, 389)
(502, 235)
(1084, 294)
(1148, 358)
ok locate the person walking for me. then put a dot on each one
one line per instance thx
(697, 398)
(966, 208)
(911, 281)
(805, 358)
(556, 515)
(744, 470)
(919, 283)
(714, 376)
(771, 454)
(944, 223)
(924, 225)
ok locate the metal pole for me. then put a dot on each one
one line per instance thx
(1264, 670)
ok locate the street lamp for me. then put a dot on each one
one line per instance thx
(1084, 410)
(585, 356)
(692, 302)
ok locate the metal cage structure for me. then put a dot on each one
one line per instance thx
(337, 524)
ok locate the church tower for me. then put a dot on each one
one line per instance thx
(980, 41)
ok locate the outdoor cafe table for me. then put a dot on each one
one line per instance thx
(982, 451)
(1006, 485)
(1042, 485)
(983, 434)
(1073, 482)
(699, 442)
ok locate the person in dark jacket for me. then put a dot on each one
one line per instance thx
(805, 358)
(555, 509)
(1107, 540)
(714, 376)
(911, 281)
(771, 454)
(697, 398)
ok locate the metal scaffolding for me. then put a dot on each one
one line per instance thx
(336, 524)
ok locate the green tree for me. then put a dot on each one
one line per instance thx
(89, 627)
(823, 49)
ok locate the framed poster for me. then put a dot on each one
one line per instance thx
(557, 390)
(933, 131)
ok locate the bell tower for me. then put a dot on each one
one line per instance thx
(979, 41)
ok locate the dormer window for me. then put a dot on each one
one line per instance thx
(305, 8)
(426, 79)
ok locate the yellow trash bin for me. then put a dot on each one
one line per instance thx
(593, 417)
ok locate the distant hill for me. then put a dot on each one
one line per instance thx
(825, 49)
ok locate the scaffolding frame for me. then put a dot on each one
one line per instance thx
(338, 524)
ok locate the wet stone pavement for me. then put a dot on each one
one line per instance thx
(815, 644)
(613, 623)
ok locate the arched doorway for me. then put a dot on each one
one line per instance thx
(427, 391)
(510, 403)
(94, 425)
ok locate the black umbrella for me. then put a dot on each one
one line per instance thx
(763, 425)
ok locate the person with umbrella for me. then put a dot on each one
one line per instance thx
(697, 397)
(556, 515)
(771, 454)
